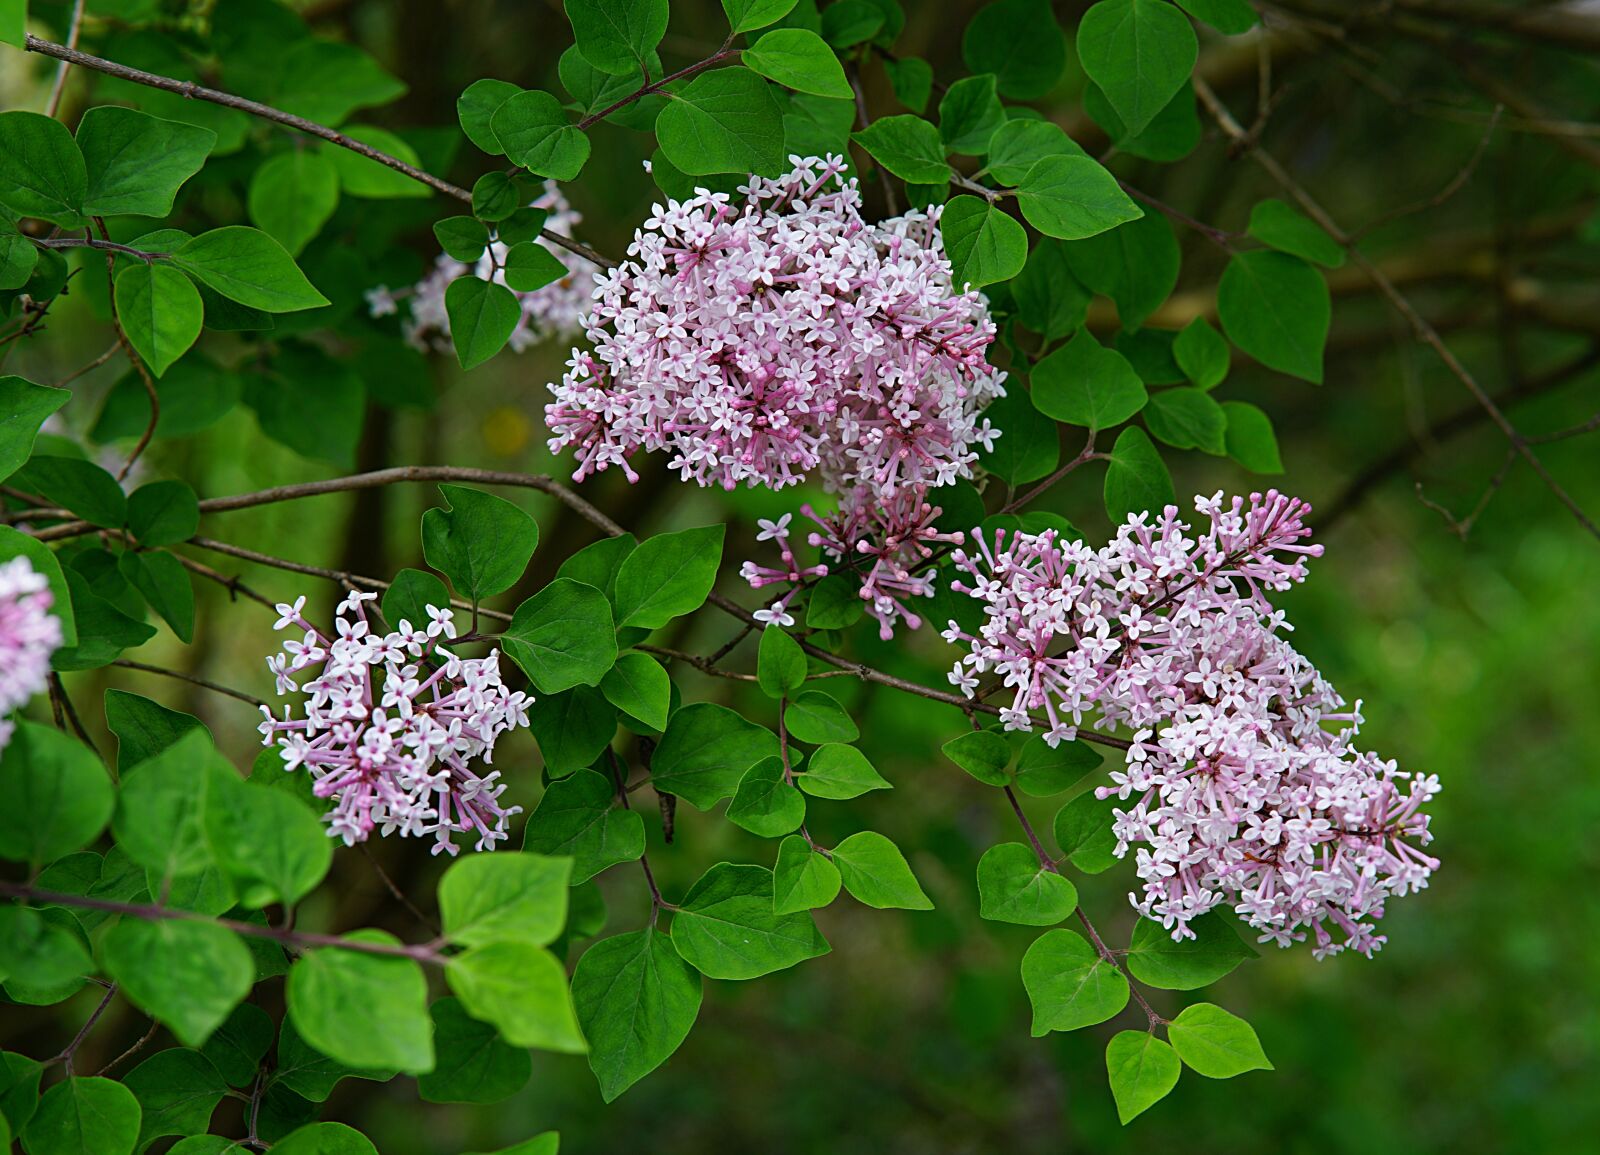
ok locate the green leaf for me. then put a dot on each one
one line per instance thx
(14, 31)
(1276, 308)
(248, 266)
(839, 772)
(304, 378)
(746, 15)
(969, 113)
(408, 599)
(907, 146)
(1021, 43)
(985, 244)
(705, 751)
(164, 584)
(309, 1073)
(536, 133)
(1274, 223)
(190, 975)
(522, 990)
(18, 255)
(803, 879)
(799, 60)
(135, 163)
(237, 1047)
(597, 564)
(37, 953)
(636, 1001)
(1214, 951)
(163, 513)
(562, 636)
(911, 77)
(1217, 1044)
(669, 575)
(82, 486)
(325, 80)
(1187, 419)
(178, 1090)
(573, 728)
(325, 1139)
(640, 688)
(1069, 984)
(1027, 448)
(1229, 17)
(876, 873)
(1073, 197)
(81, 1116)
(292, 195)
(1083, 832)
(846, 23)
(726, 929)
(269, 842)
(1202, 354)
(780, 664)
(580, 816)
(1142, 1070)
(1137, 480)
(474, 1066)
(1250, 440)
(816, 717)
(58, 798)
(530, 266)
(1017, 145)
(1135, 264)
(1014, 887)
(835, 603)
(483, 315)
(495, 197)
(983, 754)
(42, 173)
(1050, 299)
(765, 803)
(482, 543)
(475, 108)
(24, 407)
(162, 806)
(1043, 770)
(505, 897)
(1140, 52)
(1172, 134)
(363, 1010)
(161, 313)
(1084, 383)
(728, 120)
(361, 176)
(617, 36)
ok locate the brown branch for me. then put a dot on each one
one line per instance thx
(127, 664)
(192, 91)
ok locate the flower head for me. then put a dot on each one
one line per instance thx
(29, 634)
(392, 725)
(1242, 780)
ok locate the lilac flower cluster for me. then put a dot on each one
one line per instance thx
(1241, 793)
(29, 634)
(881, 540)
(554, 311)
(392, 724)
(764, 337)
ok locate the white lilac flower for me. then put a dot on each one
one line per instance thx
(392, 725)
(1238, 790)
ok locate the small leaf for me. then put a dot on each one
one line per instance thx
(816, 717)
(1137, 480)
(522, 990)
(163, 513)
(1217, 1044)
(363, 1010)
(37, 953)
(907, 146)
(1142, 1070)
(1250, 440)
(1083, 831)
(323, 1139)
(985, 245)
(1086, 384)
(190, 975)
(1069, 984)
(1014, 887)
(640, 688)
(1073, 197)
(178, 1090)
(475, 108)
(799, 60)
(530, 266)
(1276, 308)
(669, 575)
(1202, 354)
(705, 751)
(1274, 223)
(535, 132)
(983, 754)
(839, 772)
(765, 803)
(728, 120)
(82, 486)
(636, 1000)
(1135, 264)
(482, 543)
(780, 664)
(969, 113)
(247, 266)
(747, 15)
(1043, 770)
(504, 897)
(803, 879)
(1187, 419)
(1214, 951)
(563, 636)
(24, 407)
(483, 315)
(1027, 448)
(876, 873)
(726, 929)
(1229, 17)
(464, 238)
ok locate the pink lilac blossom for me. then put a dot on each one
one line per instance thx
(768, 336)
(554, 311)
(29, 634)
(1240, 792)
(392, 724)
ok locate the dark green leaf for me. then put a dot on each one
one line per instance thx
(765, 802)
(705, 752)
(728, 120)
(58, 797)
(1137, 480)
(292, 195)
(135, 163)
(163, 583)
(1073, 197)
(1230, 17)
(1142, 1070)
(483, 315)
(1043, 770)
(1202, 354)
(616, 36)
(746, 15)
(530, 266)
(1274, 223)
(1086, 384)
(37, 953)
(580, 816)
(1140, 52)
(985, 245)
(1069, 984)
(476, 107)
(572, 728)
(1214, 951)
(1187, 419)
(838, 771)
(84, 1116)
(82, 486)
(907, 146)
(1083, 832)
(876, 873)
(482, 543)
(1250, 440)
(636, 1000)
(799, 60)
(667, 576)
(247, 266)
(1027, 448)
(969, 114)
(177, 1091)
(41, 170)
(474, 1066)
(1014, 887)
(563, 635)
(1276, 308)
(781, 663)
(1135, 264)
(640, 688)
(23, 408)
(1021, 43)
(163, 513)
(536, 133)
(726, 929)
(363, 1010)
(237, 1047)
(983, 754)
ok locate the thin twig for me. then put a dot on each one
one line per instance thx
(215, 687)
(59, 85)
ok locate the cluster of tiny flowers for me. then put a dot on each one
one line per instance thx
(880, 540)
(29, 634)
(554, 311)
(764, 337)
(392, 724)
(1241, 792)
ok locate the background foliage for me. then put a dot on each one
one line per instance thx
(1453, 139)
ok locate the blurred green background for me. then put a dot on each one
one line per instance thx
(1475, 1029)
